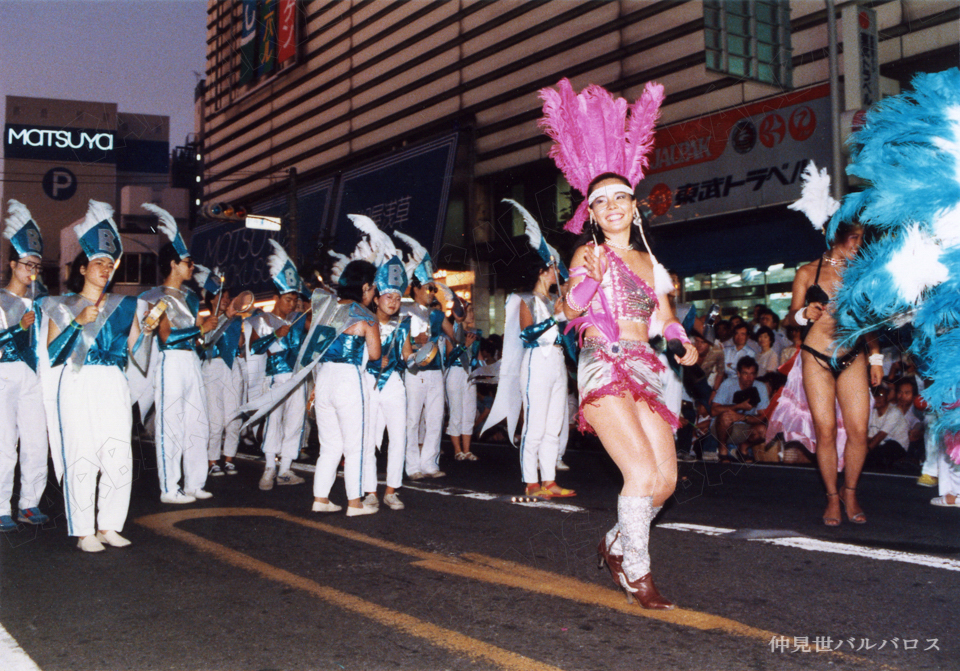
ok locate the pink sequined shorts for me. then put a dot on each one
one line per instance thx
(614, 369)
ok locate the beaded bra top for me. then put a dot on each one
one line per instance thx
(629, 297)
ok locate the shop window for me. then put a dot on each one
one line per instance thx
(738, 292)
(749, 39)
(137, 269)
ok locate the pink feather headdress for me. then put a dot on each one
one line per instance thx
(596, 133)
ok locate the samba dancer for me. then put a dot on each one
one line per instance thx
(618, 297)
(21, 397)
(89, 336)
(181, 420)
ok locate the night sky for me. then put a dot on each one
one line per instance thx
(139, 54)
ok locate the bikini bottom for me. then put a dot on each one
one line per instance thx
(835, 365)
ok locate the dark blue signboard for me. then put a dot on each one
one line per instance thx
(406, 191)
(242, 253)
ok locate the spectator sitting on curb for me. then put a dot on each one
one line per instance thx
(736, 407)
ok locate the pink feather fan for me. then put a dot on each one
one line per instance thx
(596, 133)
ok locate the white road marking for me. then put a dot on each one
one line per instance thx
(814, 545)
(12, 656)
(443, 491)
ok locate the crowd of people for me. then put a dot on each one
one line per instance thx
(603, 346)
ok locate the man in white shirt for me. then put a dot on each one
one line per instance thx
(887, 434)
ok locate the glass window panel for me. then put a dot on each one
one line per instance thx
(711, 18)
(766, 52)
(148, 268)
(766, 73)
(740, 7)
(737, 66)
(737, 46)
(712, 39)
(765, 33)
(713, 60)
(765, 12)
(737, 25)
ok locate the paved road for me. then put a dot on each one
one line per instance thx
(465, 579)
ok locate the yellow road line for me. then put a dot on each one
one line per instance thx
(469, 565)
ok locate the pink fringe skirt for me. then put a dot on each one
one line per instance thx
(615, 369)
(793, 418)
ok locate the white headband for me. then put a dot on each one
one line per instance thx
(609, 190)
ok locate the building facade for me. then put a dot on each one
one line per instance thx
(424, 115)
(59, 154)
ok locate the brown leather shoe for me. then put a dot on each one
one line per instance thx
(614, 562)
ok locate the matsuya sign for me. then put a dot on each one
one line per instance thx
(58, 144)
(743, 158)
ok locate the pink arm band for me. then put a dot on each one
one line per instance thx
(674, 331)
(580, 296)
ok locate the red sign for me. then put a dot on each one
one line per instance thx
(286, 30)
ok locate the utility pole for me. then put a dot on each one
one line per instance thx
(292, 233)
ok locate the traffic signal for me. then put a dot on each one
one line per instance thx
(224, 211)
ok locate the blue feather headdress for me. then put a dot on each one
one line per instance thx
(908, 152)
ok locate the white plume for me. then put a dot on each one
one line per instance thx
(168, 225)
(815, 199)
(417, 252)
(532, 229)
(381, 246)
(947, 227)
(341, 262)
(916, 265)
(278, 259)
(200, 274)
(96, 212)
(17, 217)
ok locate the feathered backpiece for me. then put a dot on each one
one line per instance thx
(418, 263)
(546, 252)
(168, 226)
(595, 133)
(337, 269)
(908, 151)
(22, 231)
(381, 247)
(98, 234)
(282, 271)
(815, 199)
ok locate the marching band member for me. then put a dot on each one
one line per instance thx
(181, 420)
(389, 398)
(533, 373)
(342, 344)
(89, 335)
(425, 390)
(461, 390)
(21, 397)
(279, 335)
(222, 376)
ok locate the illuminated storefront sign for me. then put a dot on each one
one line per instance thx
(58, 144)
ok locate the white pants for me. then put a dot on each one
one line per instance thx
(543, 389)
(283, 427)
(932, 449)
(949, 480)
(343, 412)
(22, 417)
(424, 397)
(95, 424)
(182, 428)
(224, 388)
(462, 402)
(390, 413)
